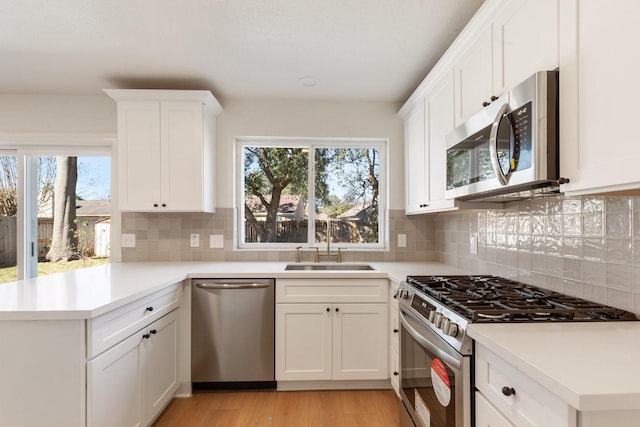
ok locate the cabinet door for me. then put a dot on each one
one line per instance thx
(360, 341)
(115, 390)
(417, 189)
(474, 76)
(598, 100)
(139, 173)
(440, 121)
(182, 155)
(303, 342)
(161, 355)
(487, 415)
(525, 41)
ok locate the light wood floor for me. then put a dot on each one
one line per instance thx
(371, 408)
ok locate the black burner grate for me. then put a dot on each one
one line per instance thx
(495, 299)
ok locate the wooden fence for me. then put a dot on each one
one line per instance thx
(97, 238)
(344, 231)
(8, 236)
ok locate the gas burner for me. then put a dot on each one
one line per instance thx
(487, 298)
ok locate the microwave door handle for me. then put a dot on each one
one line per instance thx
(493, 145)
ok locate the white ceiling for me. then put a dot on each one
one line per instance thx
(374, 50)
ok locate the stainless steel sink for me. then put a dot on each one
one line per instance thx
(328, 267)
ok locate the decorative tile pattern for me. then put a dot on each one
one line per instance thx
(586, 245)
(165, 237)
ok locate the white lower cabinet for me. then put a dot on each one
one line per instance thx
(334, 339)
(129, 384)
(508, 397)
(331, 342)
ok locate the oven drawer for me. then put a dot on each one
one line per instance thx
(531, 404)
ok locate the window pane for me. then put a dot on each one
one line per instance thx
(73, 235)
(347, 194)
(275, 194)
(8, 218)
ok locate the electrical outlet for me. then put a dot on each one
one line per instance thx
(473, 243)
(216, 241)
(402, 240)
(195, 240)
(128, 240)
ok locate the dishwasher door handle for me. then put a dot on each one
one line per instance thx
(232, 285)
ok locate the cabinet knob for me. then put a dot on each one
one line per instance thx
(424, 205)
(155, 205)
(328, 309)
(508, 391)
(395, 331)
(164, 205)
(148, 308)
(493, 98)
(146, 336)
(337, 309)
(485, 103)
(153, 332)
(396, 373)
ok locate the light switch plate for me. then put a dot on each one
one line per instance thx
(128, 240)
(216, 241)
(195, 240)
(402, 240)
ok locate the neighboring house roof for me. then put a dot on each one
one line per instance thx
(288, 203)
(93, 208)
(291, 207)
(84, 208)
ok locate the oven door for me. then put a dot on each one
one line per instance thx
(435, 380)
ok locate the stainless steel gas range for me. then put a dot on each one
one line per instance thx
(436, 354)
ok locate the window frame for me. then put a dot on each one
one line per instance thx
(312, 144)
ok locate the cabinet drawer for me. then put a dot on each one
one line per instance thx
(110, 328)
(332, 290)
(531, 404)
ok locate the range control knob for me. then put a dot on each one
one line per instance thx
(451, 329)
(444, 324)
(404, 294)
(435, 318)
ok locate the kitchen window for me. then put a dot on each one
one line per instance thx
(296, 192)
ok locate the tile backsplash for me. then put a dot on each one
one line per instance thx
(165, 237)
(583, 246)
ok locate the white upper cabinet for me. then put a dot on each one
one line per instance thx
(506, 42)
(166, 150)
(525, 41)
(416, 166)
(512, 41)
(426, 127)
(440, 121)
(474, 76)
(599, 89)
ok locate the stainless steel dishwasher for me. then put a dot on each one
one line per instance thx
(232, 333)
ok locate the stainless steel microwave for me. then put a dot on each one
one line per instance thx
(509, 150)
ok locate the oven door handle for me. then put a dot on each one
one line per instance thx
(446, 357)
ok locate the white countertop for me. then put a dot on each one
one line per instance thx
(591, 366)
(87, 293)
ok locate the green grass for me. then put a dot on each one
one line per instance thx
(9, 274)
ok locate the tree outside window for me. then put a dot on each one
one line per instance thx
(297, 193)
